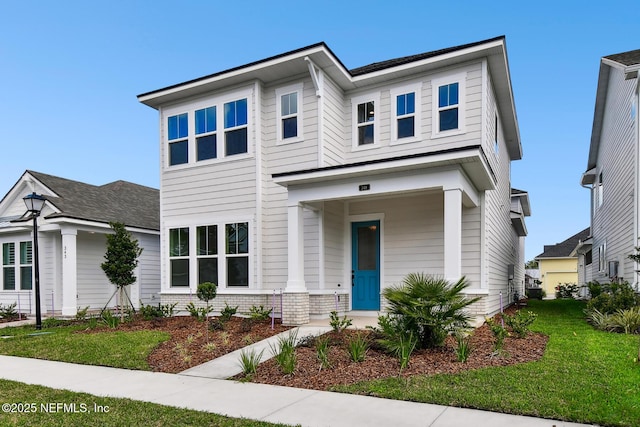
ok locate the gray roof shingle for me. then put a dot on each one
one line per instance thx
(564, 249)
(120, 201)
(626, 58)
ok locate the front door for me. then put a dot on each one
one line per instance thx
(365, 265)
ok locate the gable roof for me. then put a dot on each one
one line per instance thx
(120, 201)
(564, 248)
(629, 63)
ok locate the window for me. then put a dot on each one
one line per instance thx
(289, 114)
(25, 266)
(206, 252)
(602, 257)
(206, 138)
(237, 254)
(600, 190)
(588, 257)
(448, 105)
(178, 132)
(179, 256)
(405, 112)
(235, 125)
(496, 145)
(8, 266)
(366, 119)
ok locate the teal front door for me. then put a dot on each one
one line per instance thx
(365, 265)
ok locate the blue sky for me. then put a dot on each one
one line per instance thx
(70, 72)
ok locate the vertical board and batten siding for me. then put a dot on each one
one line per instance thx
(335, 128)
(149, 268)
(612, 222)
(94, 288)
(472, 111)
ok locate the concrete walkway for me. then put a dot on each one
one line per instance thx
(254, 401)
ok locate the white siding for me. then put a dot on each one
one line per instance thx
(148, 268)
(612, 222)
(334, 235)
(94, 289)
(335, 131)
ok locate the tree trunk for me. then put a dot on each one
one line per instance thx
(121, 288)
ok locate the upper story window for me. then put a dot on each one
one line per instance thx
(366, 121)
(600, 190)
(448, 105)
(178, 132)
(206, 137)
(194, 131)
(289, 114)
(235, 127)
(405, 105)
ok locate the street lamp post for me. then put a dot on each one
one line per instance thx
(34, 203)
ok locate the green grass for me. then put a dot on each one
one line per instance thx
(110, 348)
(585, 376)
(121, 412)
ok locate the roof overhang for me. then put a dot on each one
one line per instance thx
(471, 160)
(589, 177)
(582, 247)
(518, 224)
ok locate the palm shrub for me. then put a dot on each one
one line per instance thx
(429, 307)
(396, 338)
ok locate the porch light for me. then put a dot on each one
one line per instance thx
(34, 203)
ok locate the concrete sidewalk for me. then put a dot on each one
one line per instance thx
(254, 401)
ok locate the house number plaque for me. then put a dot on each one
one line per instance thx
(364, 187)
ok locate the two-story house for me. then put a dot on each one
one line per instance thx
(613, 174)
(295, 179)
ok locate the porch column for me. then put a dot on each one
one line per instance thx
(453, 234)
(295, 298)
(69, 272)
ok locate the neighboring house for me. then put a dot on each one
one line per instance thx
(72, 244)
(296, 179)
(558, 264)
(531, 278)
(612, 170)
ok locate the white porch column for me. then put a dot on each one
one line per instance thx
(69, 272)
(453, 234)
(295, 298)
(295, 281)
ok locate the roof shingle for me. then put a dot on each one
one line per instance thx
(564, 249)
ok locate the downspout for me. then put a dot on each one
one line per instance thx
(317, 78)
(636, 220)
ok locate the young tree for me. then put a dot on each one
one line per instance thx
(121, 259)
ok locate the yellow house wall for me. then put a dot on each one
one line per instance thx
(557, 271)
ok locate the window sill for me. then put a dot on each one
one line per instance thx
(289, 141)
(403, 141)
(231, 158)
(365, 147)
(446, 133)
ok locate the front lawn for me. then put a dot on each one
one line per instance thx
(109, 348)
(585, 376)
(91, 410)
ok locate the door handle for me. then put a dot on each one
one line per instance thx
(353, 276)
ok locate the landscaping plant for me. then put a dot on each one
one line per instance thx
(499, 332)
(249, 361)
(463, 348)
(357, 346)
(568, 290)
(259, 313)
(284, 352)
(227, 312)
(206, 292)
(322, 351)
(396, 338)
(339, 324)
(520, 322)
(8, 311)
(429, 307)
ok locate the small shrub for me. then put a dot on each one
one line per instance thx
(600, 321)
(8, 311)
(614, 297)
(209, 347)
(248, 340)
(463, 348)
(109, 319)
(520, 322)
(199, 313)
(396, 338)
(595, 288)
(339, 324)
(225, 338)
(168, 310)
(626, 321)
(150, 312)
(92, 323)
(322, 351)
(249, 361)
(284, 352)
(81, 313)
(567, 291)
(216, 324)
(430, 307)
(227, 312)
(358, 346)
(499, 333)
(259, 313)
(246, 324)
